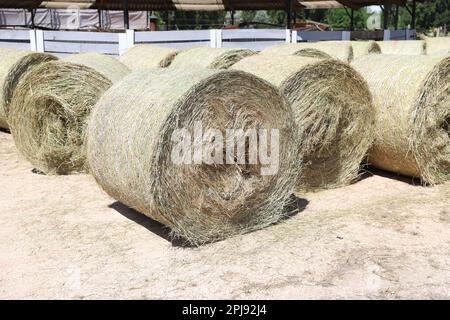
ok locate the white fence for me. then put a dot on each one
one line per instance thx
(62, 43)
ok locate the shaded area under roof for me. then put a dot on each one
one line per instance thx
(194, 5)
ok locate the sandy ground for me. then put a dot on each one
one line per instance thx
(62, 237)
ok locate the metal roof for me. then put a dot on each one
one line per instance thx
(203, 5)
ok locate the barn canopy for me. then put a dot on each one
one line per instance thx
(202, 5)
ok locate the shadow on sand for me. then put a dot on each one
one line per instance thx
(295, 206)
(370, 171)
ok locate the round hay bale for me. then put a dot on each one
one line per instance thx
(403, 47)
(333, 111)
(439, 46)
(14, 65)
(363, 48)
(109, 67)
(211, 58)
(48, 114)
(412, 96)
(146, 56)
(129, 151)
(341, 50)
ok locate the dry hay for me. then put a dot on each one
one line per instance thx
(48, 114)
(129, 151)
(341, 50)
(107, 66)
(332, 108)
(211, 58)
(412, 96)
(403, 47)
(146, 56)
(363, 48)
(439, 46)
(14, 64)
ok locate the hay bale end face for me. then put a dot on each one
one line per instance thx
(333, 111)
(363, 48)
(48, 114)
(14, 64)
(109, 67)
(130, 145)
(211, 58)
(146, 56)
(403, 47)
(412, 96)
(341, 50)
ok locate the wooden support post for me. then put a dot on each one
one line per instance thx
(289, 14)
(396, 16)
(352, 20)
(413, 15)
(99, 18)
(232, 17)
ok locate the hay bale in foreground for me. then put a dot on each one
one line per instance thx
(412, 96)
(363, 48)
(403, 47)
(109, 67)
(439, 46)
(333, 110)
(129, 151)
(341, 50)
(146, 56)
(14, 64)
(211, 58)
(48, 114)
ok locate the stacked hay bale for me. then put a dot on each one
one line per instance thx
(14, 65)
(439, 46)
(363, 48)
(146, 56)
(341, 50)
(412, 96)
(211, 58)
(403, 47)
(332, 108)
(131, 150)
(50, 106)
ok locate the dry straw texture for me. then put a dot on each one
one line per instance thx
(333, 110)
(107, 66)
(341, 50)
(14, 64)
(363, 48)
(412, 96)
(129, 151)
(211, 58)
(403, 47)
(146, 56)
(438, 46)
(49, 110)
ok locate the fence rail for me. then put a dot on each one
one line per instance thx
(62, 43)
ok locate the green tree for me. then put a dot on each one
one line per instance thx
(429, 14)
(339, 18)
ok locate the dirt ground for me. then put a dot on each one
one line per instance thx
(62, 237)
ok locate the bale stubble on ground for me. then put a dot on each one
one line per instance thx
(50, 107)
(333, 111)
(412, 97)
(211, 58)
(130, 143)
(14, 64)
(146, 56)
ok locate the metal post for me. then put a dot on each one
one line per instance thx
(126, 16)
(32, 11)
(386, 11)
(352, 20)
(396, 16)
(99, 18)
(289, 14)
(413, 15)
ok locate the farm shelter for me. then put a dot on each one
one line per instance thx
(290, 6)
